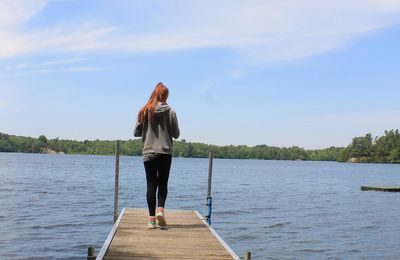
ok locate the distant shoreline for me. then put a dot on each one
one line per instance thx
(112, 155)
(11, 143)
(361, 150)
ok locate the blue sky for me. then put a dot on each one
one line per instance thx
(307, 73)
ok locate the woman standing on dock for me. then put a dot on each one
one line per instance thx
(157, 125)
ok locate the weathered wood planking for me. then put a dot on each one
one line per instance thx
(187, 236)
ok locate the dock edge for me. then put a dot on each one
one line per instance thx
(223, 243)
(110, 236)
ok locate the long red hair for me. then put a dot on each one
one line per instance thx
(160, 94)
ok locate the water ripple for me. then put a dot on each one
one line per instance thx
(53, 207)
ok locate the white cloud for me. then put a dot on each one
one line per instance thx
(19, 66)
(53, 70)
(68, 65)
(266, 31)
(259, 30)
(26, 65)
(14, 12)
(62, 61)
(88, 36)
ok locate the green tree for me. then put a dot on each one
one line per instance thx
(361, 147)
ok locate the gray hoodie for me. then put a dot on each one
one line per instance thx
(157, 134)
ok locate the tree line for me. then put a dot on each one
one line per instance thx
(382, 149)
(385, 149)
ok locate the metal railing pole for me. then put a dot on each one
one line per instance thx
(209, 198)
(116, 181)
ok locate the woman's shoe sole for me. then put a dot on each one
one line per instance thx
(161, 220)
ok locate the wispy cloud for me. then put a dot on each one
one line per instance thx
(258, 30)
(48, 63)
(13, 12)
(64, 65)
(62, 61)
(19, 66)
(75, 69)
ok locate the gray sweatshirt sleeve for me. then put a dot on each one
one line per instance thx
(174, 125)
(137, 132)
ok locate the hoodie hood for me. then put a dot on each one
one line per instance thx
(161, 109)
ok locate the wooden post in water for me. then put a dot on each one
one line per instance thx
(90, 253)
(116, 181)
(209, 198)
(247, 256)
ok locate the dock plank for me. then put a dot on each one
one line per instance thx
(185, 237)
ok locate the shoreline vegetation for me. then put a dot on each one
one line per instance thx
(365, 149)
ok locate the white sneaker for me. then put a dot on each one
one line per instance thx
(151, 224)
(161, 218)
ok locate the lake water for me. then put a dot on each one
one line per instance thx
(54, 206)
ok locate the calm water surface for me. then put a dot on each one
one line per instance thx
(54, 206)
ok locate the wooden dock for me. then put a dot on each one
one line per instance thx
(187, 236)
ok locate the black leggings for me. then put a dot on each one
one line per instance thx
(157, 173)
